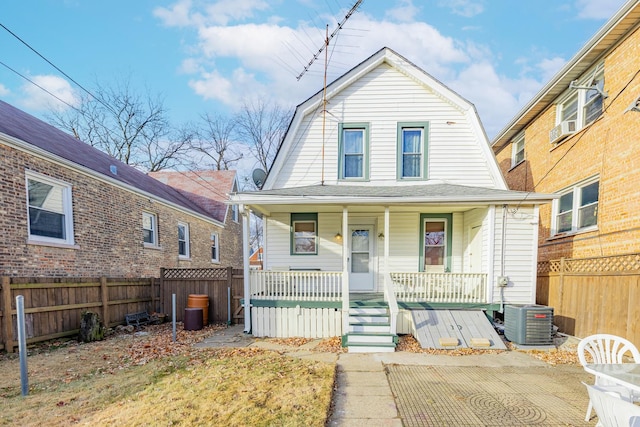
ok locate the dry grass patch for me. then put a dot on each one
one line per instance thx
(145, 380)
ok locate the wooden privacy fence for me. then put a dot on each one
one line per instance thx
(224, 286)
(593, 295)
(53, 305)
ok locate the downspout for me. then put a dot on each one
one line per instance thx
(246, 272)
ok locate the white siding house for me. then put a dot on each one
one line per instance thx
(391, 198)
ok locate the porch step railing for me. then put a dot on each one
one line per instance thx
(296, 285)
(440, 287)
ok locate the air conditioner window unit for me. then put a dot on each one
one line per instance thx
(561, 131)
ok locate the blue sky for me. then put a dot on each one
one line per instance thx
(209, 56)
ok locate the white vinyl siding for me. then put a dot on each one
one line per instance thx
(454, 148)
(519, 254)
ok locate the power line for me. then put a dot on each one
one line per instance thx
(40, 87)
(57, 68)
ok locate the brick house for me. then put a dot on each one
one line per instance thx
(68, 209)
(211, 189)
(577, 138)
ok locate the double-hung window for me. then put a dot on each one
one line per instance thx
(353, 151)
(304, 234)
(517, 150)
(150, 229)
(215, 247)
(49, 210)
(582, 104)
(183, 240)
(412, 150)
(577, 208)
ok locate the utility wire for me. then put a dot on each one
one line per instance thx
(57, 68)
(40, 87)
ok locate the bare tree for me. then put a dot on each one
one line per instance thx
(131, 127)
(262, 125)
(216, 141)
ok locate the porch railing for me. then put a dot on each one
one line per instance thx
(296, 285)
(440, 287)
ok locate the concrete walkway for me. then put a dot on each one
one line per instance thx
(417, 389)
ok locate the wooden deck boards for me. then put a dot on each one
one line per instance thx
(431, 325)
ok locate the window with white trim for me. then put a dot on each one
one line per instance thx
(517, 150)
(215, 247)
(150, 229)
(584, 102)
(234, 213)
(49, 209)
(183, 240)
(577, 208)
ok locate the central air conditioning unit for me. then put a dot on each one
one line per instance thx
(528, 324)
(563, 130)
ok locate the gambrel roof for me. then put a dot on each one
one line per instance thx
(405, 67)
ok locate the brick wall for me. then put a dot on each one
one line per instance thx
(608, 148)
(107, 229)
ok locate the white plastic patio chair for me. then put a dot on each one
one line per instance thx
(606, 349)
(612, 409)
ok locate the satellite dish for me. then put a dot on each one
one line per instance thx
(258, 176)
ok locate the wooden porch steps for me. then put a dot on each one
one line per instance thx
(369, 328)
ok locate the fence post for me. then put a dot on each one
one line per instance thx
(104, 292)
(6, 314)
(161, 284)
(229, 293)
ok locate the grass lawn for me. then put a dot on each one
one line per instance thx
(132, 380)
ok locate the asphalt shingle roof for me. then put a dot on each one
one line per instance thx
(28, 129)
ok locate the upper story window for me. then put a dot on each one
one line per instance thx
(150, 229)
(183, 240)
(582, 105)
(304, 233)
(215, 247)
(50, 210)
(412, 150)
(353, 151)
(577, 208)
(517, 150)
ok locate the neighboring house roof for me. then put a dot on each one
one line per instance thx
(625, 19)
(422, 193)
(398, 62)
(209, 188)
(27, 133)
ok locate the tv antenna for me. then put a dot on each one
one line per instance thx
(325, 48)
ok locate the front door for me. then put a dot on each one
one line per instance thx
(361, 271)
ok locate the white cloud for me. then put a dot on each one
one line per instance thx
(232, 63)
(597, 9)
(466, 8)
(59, 94)
(4, 91)
(406, 12)
(184, 13)
(550, 66)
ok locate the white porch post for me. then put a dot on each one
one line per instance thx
(388, 285)
(345, 270)
(246, 230)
